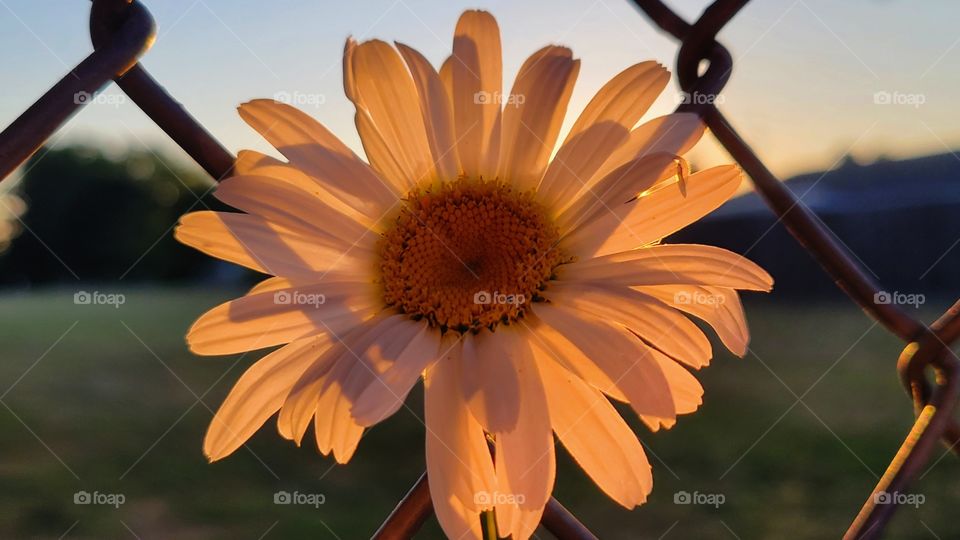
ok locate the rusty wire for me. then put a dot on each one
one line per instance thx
(123, 30)
(925, 346)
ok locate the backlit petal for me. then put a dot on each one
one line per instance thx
(669, 207)
(672, 264)
(603, 126)
(280, 316)
(388, 117)
(258, 394)
(477, 78)
(437, 110)
(664, 327)
(621, 355)
(596, 436)
(490, 382)
(533, 112)
(718, 307)
(311, 148)
(268, 247)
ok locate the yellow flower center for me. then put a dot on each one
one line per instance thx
(467, 255)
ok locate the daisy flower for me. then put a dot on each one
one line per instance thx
(526, 291)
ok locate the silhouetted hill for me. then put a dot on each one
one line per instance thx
(900, 218)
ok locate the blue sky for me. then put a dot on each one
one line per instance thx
(802, 91)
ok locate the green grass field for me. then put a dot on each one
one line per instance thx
(105, 400)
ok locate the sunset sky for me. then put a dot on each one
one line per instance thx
(802, 92)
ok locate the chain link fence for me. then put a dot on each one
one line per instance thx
(123, 30)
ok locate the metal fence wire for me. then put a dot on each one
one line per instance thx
(123, 30)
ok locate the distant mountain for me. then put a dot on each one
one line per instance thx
(882, 185)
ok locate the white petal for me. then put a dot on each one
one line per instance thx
(625, 359)
(490, 381)
(614, 193)
(674, 134)
(456, 520)
(525, 460)
(313, 149)
(327, 379)
(533, 112)
(289, 206)
(684, 388)
(437, 109)
(274, 317)
(596, 436)
(267, 247)
(477, 81)
(718, 307)
(271, 284)
(664, 327)
(354, 372)
(360, 207)
(392, 131)
(603, 126)
(459, 465)
(387, 392)
(547, 341)
(258, 394)
(525, 522)
(672, 264)
(446, 77)
(667, 209)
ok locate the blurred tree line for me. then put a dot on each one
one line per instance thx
(83, 214)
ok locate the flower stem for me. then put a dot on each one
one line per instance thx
(491, 525)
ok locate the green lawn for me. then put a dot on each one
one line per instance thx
(105, 400)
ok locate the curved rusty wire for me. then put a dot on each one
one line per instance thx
(407, 518)
(106, 17)
(32, 128)
(927, 347)
(122, 30)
